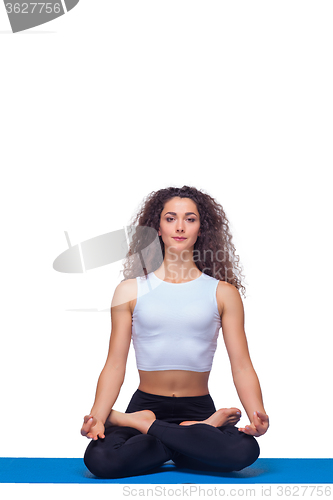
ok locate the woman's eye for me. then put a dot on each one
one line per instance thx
(171, 218)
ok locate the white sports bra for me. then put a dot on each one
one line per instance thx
(175, 325)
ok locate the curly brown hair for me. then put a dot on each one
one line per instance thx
(215, 238)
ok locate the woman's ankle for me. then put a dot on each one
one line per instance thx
(140, 420)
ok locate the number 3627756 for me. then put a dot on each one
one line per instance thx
(33, 8)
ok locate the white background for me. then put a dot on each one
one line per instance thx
(117, 99)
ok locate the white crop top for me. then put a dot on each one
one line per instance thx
(175, 325)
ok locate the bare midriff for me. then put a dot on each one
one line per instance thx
(178, 383)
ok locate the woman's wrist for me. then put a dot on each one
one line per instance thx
(99, 415)
(253, 409)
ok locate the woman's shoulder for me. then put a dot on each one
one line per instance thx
(125, 292)
(226, 294)
(224, 285)
(126, 283)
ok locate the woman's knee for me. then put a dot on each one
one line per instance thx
(247, 453)
(239, 451)
(101, 462)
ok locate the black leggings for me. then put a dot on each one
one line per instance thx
(126, 452)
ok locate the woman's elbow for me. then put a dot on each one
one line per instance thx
(115, 371)
(243, 370)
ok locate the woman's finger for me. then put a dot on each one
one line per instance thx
(86, 426)
(256, 417)
(242, 429)
(258, 421)
(248, 429)
(263, 416)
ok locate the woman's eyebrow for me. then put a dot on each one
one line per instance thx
(174, 213)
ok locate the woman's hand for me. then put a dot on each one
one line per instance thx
(92, 428)
(258, 426)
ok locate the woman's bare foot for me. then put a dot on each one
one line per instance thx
(223, 416)
(140, 420)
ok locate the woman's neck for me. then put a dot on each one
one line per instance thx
(177, 271)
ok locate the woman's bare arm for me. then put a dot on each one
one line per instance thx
(113, 373)
(243, 373)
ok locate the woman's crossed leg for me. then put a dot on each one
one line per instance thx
(138, 442)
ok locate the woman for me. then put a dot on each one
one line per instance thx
(174, 318)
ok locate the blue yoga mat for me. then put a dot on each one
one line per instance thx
(264, 470)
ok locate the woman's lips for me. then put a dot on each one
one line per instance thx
(179, 239)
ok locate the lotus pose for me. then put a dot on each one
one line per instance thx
(172, 308)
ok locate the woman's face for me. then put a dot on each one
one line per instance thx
(179, 218)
